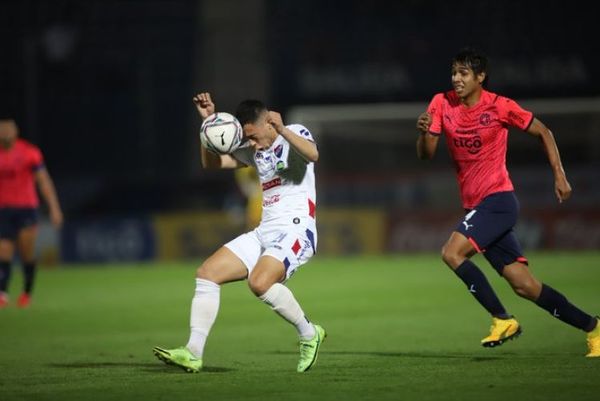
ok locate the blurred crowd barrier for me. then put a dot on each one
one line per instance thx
(345, 231)
(374, 196)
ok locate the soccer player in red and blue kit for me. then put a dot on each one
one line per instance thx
(21, 166)
(475, 123)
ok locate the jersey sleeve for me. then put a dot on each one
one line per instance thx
(301, 130)
(36, 160)
(512, 114)
(435, 109)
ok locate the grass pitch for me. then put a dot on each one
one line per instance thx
(399, 328)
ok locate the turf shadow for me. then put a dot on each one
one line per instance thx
(92, 365)
(148, 367)
(403, 355)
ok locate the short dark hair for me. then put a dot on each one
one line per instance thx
(7, 119)
(249, 110)
(474, 59)
(6, 113)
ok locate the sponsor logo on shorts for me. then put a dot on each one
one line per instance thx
(306, 245)
(280, 238)
(467, 218)
(296, 247)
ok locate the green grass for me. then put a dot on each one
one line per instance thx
(401, 327)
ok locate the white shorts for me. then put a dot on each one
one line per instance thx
(293, 245)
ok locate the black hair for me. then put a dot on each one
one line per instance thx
(7, 113)
(474, 59)
(249, 110)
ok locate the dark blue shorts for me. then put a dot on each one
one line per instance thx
(489, 227)
(13, 220)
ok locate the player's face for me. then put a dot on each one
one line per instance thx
(8, 133)
(260, 134)
(464, 80)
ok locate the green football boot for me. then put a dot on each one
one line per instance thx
(309, 349)
(179, 357)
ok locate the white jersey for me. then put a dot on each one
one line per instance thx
(288, 185)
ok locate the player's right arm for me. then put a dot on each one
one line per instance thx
(206, 107)
(426, 142)
(429, 125)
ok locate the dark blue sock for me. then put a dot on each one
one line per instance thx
(29, 276)
(481, 289)
(4, 275)
(560, 307)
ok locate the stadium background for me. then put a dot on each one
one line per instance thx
(105, 88)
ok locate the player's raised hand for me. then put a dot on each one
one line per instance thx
(424, 122)
(562, 188)
(274, 118)
(204, 104)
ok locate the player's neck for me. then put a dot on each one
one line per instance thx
(472, 98)
(272, 139)
(7, 145)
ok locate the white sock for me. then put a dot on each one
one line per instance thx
(205, 306)
(282, 301)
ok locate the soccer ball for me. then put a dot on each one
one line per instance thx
(221, 133)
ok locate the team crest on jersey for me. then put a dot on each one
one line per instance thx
(278, 150)
(485, 119)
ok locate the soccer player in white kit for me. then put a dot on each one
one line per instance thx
(285, 239)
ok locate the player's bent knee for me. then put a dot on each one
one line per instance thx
(451, 258)
(527, 289)
(259, 284)
(207, 271)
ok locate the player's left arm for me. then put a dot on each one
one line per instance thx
(48, 191)
(562, 188)
(307, 149)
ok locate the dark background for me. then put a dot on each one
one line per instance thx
(105, 87)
